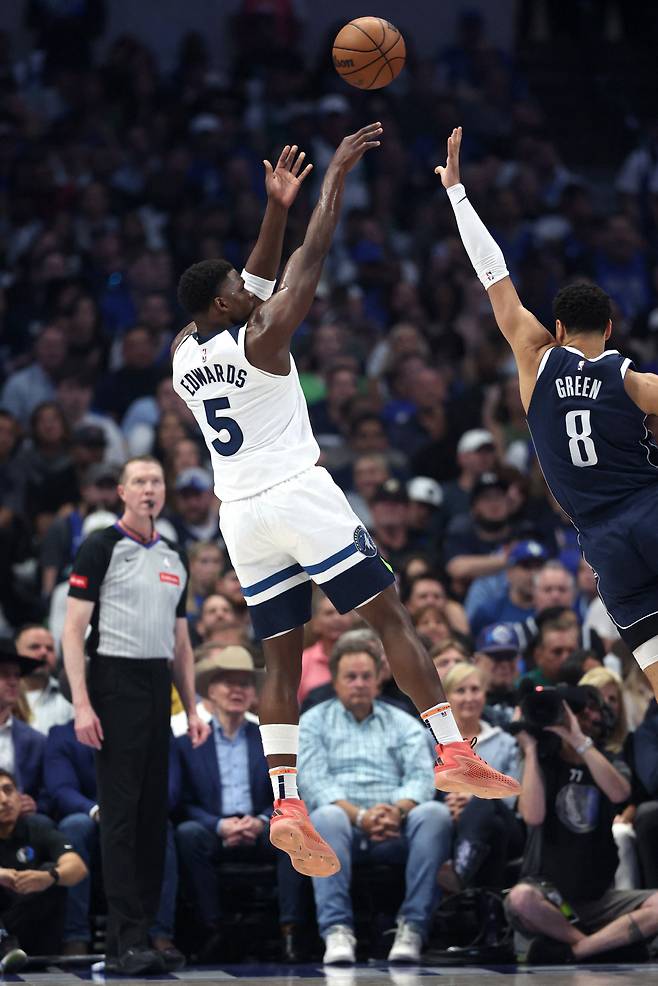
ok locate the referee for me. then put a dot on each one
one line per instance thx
(130, 585)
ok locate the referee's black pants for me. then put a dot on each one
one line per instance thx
(132, 699)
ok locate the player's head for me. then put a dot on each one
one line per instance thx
(213, 291)
(582, 309)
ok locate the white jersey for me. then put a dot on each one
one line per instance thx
(255, 423)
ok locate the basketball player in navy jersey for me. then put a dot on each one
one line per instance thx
(284, 521)
(587, 410)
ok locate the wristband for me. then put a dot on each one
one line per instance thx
(586, 745)
(260, 286)
(51, 870)
(360, 815)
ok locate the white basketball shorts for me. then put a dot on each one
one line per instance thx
(300, 530)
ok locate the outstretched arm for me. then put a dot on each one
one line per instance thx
(282, 184)
(273, 324)
(526, 335)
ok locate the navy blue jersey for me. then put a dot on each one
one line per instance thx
(590, 437)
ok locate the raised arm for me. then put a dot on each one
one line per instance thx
(273, 324)
(282, 184)
(526, 335)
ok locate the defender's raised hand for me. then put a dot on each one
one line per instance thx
(283, 182)
(450, 173)
(351, 149)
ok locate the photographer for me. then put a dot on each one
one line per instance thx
(566, 902)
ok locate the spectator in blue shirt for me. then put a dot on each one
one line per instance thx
(365, 771)
(516, 604)
(227, 798)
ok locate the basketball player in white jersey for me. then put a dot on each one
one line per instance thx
(284, 521)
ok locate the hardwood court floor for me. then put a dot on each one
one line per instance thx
(370, 975)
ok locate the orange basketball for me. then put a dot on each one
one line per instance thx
(369, 52)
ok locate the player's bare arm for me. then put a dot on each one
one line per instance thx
(642, 388)
(273, 324)
(187, 331)
(282, 184)
(528, 338)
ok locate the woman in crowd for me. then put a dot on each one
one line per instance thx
(487, 833)
(47, 465)
(618, 744)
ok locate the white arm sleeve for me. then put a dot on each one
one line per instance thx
(483, 251)
(259, 286)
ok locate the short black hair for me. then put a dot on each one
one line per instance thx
(8, 774)
(200, 283)
(583, 307)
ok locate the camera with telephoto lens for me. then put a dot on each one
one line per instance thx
(543, 705)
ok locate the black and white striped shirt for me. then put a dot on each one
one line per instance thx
(138, 589)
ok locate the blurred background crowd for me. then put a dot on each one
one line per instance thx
(116, 174)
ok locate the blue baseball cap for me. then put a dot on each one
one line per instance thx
(499, 640)
(527, 551)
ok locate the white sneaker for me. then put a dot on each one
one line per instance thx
(407, 945)
(339, 945)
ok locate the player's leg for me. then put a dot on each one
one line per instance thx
(646, 655)
(278, 594)
(335, 549)
(460, 768)
(278, 711)
(622, 553)
(410, 663)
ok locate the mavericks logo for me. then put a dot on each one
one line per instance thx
(364, 543)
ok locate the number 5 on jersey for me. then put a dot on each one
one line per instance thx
(229, 431)
(581, 444)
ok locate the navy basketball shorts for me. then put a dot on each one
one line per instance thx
(298, 532)
(623, 553)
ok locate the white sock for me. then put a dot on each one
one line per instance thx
(441, 722)
(284, 782)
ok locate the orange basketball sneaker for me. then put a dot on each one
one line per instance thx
(292, 831)
(462, 771)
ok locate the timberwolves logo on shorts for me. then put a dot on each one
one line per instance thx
(364, 543)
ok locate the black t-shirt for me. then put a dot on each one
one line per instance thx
(32, 844)
(574, 848)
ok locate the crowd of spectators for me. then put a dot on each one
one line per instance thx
(114, 176)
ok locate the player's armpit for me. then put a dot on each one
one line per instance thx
(642, 388)
(274, 323)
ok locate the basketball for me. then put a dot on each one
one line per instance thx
(369, 52)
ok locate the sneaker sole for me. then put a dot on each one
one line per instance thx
(452, 781)
(346, 961)
(289, 836)
(403, 959)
